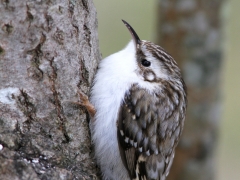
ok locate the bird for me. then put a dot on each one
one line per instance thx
(137, 105)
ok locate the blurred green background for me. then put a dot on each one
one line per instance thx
(113, 36)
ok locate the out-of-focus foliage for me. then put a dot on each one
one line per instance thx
(229, 144)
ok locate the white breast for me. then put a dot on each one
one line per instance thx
(114, 78)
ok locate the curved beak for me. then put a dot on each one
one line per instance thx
(133, 33)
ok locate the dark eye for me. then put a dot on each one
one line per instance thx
(146, 63)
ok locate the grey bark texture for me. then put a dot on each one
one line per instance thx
(191, 31)
(48, 50)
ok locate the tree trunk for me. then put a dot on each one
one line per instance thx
(48, 50)
(190, 30)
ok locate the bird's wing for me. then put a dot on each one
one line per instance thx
(147, 134)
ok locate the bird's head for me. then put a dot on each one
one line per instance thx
(154, 63)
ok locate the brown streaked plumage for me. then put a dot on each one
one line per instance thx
(149, 130)
(150, 124)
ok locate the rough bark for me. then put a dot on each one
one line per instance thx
(48, 50)
(190, 30)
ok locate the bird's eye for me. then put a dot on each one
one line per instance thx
(146, 63)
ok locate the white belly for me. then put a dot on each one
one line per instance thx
(113, 80)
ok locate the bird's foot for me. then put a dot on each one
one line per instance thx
(86, 103)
